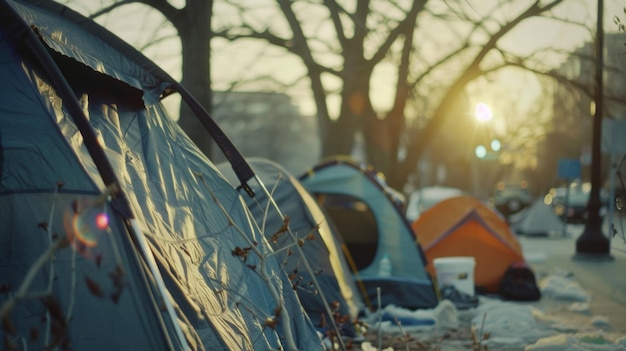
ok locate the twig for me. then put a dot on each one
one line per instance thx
(70, 305)
(232, 223)
(261, 270)
(480, 336)
(405, 335)
(305, 262)
(380, 320)
(52, 259)
(30, 276)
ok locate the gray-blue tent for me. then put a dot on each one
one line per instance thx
(371, 221)
(116, 233)
(315, 258)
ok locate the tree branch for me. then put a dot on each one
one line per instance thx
(407, 24)
(163, 6)
(471, 72)
(535, 10)
(110, 8)
(335, 9)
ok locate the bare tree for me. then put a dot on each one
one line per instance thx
(192, 24)
(367, 36)
(344, 45)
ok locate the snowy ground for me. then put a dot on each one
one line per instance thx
(562, 320)
(504, 325)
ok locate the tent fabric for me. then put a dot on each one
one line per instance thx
(87, 43)
(464, 226)
(218, 272)
(321, 246)
(373, 226)
(538, 219)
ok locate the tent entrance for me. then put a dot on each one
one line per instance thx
(356, 224)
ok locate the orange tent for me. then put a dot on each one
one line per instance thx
(464, 226)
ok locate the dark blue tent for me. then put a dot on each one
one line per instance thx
(116, 233)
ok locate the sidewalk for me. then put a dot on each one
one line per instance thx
(604, 280)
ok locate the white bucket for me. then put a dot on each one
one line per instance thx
(455, 271)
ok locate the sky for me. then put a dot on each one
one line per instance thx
(234, 61)
(542, 33)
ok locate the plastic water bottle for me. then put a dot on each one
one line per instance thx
(384, 267)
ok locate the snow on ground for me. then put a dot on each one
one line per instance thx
(505, 325)
(561, 287)
(560, 321)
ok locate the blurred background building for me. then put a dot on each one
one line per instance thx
(268, 125)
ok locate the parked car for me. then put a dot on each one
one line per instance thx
(512, 198)
(572, 207)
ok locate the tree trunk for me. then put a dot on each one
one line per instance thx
(377, 143)
(383, 137)
(339, 138)
(416, 146)
(355, 109)
(194, 26)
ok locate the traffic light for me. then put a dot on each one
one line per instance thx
(496, 145)
(491, 153)
(481, 151)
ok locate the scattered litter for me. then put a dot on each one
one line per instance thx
(563, 288)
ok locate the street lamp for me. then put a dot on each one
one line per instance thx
(592, 243)
(492, 146)
(487, 148)
(480, 151)
(496, 145)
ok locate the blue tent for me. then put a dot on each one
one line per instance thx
(314, 258)
(117, 232)
(370, 219)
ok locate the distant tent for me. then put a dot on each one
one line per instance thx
(425, 198)
(537, 219)
(464, 226)
(116, 232)
(320, 245)
(374, 228)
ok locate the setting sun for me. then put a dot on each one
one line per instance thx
(483, 112)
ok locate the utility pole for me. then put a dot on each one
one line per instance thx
(593, 244)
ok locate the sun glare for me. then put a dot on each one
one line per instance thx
(483, 112)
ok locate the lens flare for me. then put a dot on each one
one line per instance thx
(86, 222)
(102, 221)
